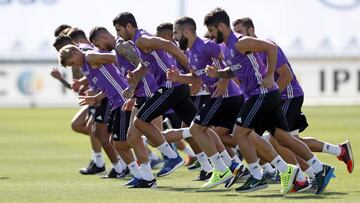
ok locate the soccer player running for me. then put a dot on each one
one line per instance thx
(112, 84)
(82, 121)
(257, 84)
(153, 52)
(292, 97)
(221, 110)
(126, 58)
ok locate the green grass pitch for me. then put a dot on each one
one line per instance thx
(40, 156)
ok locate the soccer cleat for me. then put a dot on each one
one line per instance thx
(246, 174)
(322, 178)
(347, 156)
(145, 184)
(288, 178)
(170, 165)
(252, 184)
(272, 178)
(190, 161)
(236, 171)
(203, 176)
(134, 181)
(113, 174)
(301, 186)
(195, 166)
(92, 169)
(154, 163)
(217, 178)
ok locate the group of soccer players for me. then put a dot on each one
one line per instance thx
(221, 95)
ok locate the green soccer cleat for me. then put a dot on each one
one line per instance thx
(217, 178)
(252, 184)
(287, 179)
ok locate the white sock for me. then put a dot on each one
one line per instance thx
(153, 156)
(187, 150)
(310, 172)
(135, 170)
(147, 174)
(98, 160)
(267, 168)
(255, 170)
(218, 162)
(186, 132)
(316, 164)
(237, 160)
(332, 149)
(145, 141)
(117, 166)
(300, 177)
(204, 162)
(280, 164)
(167, 150)
(123, 164)
(226, 158)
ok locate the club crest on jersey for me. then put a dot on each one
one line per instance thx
(94, 80)
(146, 63)
(232, 53)
(196, 59)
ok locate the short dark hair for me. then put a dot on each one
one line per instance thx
(60, 29)
(186, 21)
(165, 26)
(94, 33)
(124, 18)
(61, 41)
(216, 16)
(76, 33)
(246, 21)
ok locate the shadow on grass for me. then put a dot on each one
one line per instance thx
(4, 178)
(326, 195)
(189, 189)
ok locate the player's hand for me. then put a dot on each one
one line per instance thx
(55, 73)
(82, 89)
(75, 85)
(128, 92)
(173, 74)
(87, 100)
(268, 82)
(211, 71)
(130, 77)
(220, 88)
(128, 105)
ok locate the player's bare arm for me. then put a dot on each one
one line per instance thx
(150, 43)
(250, 44)
(285, 77)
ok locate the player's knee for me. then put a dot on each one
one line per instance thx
(75, 126)
(138, 123)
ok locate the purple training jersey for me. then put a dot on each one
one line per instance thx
(110, 81)
(204, 53)
(293, 89)
(157, 61)
(146, 86)
(249, 68)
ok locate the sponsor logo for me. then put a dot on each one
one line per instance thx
(30, 83)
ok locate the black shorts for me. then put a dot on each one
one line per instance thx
(91, 110)
(102, 112)
(174, 119)
(263, 112)
(220, 112)
(296, 119)
(177, 98)
(200, 100)
(140, 101)
(118, 124)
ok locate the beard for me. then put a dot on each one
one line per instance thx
(183, 43)
(219, 38)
